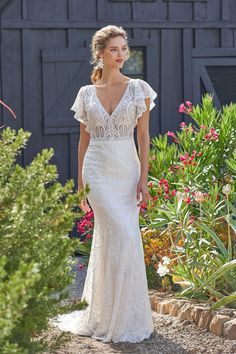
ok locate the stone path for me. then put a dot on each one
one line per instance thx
(170, 337)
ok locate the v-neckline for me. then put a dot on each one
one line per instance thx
(121, 99)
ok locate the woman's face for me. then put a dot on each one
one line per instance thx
(115, 52)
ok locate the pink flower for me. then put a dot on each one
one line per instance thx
(212, 135)
(188, 103)
(187, 200)
(199, 197)
(85, 223)
(174, 168)
(173, 136)
(166, 189)
(203, 126)
(182, 108)
(183, 124)
(80, 266)
(90, 215)
(150, 184)
(163, 181)
(173, 193)
(89, 236)
(207, 136)
(188, 160)
(184, 157)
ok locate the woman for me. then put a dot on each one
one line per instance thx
(108, 110)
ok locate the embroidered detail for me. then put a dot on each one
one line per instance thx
(121, 123)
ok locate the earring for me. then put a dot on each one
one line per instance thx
(100, 63)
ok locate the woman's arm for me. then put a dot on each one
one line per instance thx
(82, 147)
(143, 138)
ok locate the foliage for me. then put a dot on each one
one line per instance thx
(36, 214)
(192, 184)
(156, 246)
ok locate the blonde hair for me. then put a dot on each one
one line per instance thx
(99, 41)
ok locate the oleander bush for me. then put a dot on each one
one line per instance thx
(192, 196)
(36, 254)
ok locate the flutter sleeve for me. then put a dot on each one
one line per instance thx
(79, 107)
(142, 91)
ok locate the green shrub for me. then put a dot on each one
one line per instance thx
(36, 215)
(192, 183)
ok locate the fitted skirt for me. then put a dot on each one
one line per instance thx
(116, 285)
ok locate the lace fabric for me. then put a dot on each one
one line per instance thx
(120, 124)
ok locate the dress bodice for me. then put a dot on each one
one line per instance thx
(121, 123)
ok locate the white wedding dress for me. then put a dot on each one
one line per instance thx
(115, 287)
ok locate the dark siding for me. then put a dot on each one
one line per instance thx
(45, 59)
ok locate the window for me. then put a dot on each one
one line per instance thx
(223, 79)
(214, 71)
(134, 66)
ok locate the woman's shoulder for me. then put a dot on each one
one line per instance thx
(144, 90)
(83, 90)
(142, 86)
(84, 87)
(141, 82)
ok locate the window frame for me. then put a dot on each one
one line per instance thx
(209, 57)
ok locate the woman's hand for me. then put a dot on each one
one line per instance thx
(83, 204)
(142, 187)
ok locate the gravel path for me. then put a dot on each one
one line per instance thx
(170, 337)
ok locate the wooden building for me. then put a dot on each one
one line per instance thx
(183, 48)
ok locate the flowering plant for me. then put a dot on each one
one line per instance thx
(85, 229)
(190, 183)
(157, 246)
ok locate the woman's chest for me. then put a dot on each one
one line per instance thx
(124, 111)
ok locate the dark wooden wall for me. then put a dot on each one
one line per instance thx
(190, 49)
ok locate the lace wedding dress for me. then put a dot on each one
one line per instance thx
(115, 287)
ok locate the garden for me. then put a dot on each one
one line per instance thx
(188, 225)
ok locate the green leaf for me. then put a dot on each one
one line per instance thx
(225, 301)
